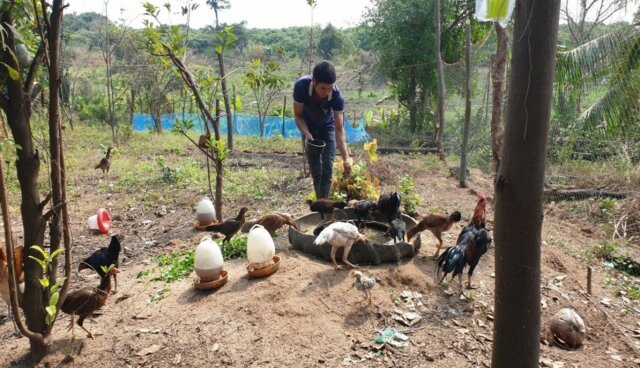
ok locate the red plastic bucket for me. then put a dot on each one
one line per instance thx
(104, 220)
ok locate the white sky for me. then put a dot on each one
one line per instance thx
(257, 13)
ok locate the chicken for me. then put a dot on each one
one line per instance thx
(473, 244)
(437, 224)
(272, 222)
(479, 218)
(397, 230)
(362, 209)
(229, 227)
(365, 283)
(103, 257)
(4, 271)
(389, 206)
(340, 235)
(85, 301)
(325, 206)
(105, 162)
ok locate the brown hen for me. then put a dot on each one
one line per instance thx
(229, 227)
(85, 301)
(437, 224)
(105, 162)
(272, 222)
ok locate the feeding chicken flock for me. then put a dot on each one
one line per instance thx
(471, 244)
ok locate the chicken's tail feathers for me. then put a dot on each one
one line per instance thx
(248, 225)
(323, 237)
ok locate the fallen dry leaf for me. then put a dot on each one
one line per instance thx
(150, 350)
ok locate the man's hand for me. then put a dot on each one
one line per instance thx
(346, 168)
(308, 136)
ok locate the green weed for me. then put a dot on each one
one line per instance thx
(632, 291)
(235, 248)
(410, 198)
(175, 266)
(604, 250)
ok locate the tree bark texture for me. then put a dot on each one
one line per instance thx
(519, 186)
(498, 63)
(467, 110)
(227, 105)
(17, 105)
(441, 88)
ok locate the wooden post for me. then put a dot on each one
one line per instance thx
(589, 276)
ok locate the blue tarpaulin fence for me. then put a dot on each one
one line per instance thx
(246, 125)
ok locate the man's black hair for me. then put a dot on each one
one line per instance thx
(324, 72)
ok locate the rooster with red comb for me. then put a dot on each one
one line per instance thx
(479, 219)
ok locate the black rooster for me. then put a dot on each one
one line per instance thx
(389, 206)
(105, 256)
(362, 209)
(472, 244)
(398, 229)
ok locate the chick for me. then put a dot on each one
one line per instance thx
(365, 283)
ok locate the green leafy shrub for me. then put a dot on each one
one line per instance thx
(235, 248)
(410, 198)
(604, 250)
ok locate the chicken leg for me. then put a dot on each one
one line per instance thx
(80, 321)
(345, 254)
(439, 237)
(469, 284)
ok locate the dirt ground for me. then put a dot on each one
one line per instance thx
(307, 314)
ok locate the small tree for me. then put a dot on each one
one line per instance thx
(265, 82)
(168, 42)
(17, 22)
(226, 38)
(109, 41)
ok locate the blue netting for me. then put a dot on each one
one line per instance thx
(246, 125)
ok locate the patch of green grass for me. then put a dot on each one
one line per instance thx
(235, 248)
(632, 291)
(255, 183)
(159, 295)
(175, 266)
(604, 250)
(267, 144)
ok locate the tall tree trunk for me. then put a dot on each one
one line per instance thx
(412, 106)
(519, 187)
(225, 93)
(17, 105)
(467, 110)
(219, 166)
(441, 88)
(498, 63)
(59, 223)
(227, 105)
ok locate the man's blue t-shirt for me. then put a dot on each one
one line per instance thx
(317, 115)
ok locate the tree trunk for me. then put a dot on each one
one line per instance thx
(59, 222)
(219, 167)
(467, 110)
(519, 187)
(498, 62)
(441, 88)
(16, 103)
(227, 105)
(413, 110)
